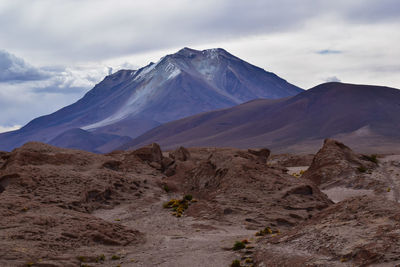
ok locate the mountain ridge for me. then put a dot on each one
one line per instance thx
(351, 112)
(131, 102)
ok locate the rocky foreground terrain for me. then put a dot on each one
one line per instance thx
(198, 207)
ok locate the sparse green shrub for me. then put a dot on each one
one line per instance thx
(268, 231)
(179, 205)
(362, 169)
(115, 257)
(166, 188)
(248, 260)
(373, 158)
(188, 197)
(238, 245)
(235, 263)
(81, 258)
(101, 258)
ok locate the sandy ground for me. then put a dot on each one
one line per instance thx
(338, 194)
(293, 170)
(388, 171)
(171, 241)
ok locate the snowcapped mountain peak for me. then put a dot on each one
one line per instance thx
(128, 102)
(221, 74)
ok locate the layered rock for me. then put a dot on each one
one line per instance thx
(361, 231)
(335, 163)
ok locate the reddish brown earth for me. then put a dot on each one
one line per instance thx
(62, 207)
(49, 194)
(362, 229)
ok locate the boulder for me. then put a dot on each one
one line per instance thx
(262, 154)
(150, 153)
(180, 153)
(336, 163)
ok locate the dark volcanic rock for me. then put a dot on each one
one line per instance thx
(150, 153)
(336, 163)
(262, 154)
(180, 153)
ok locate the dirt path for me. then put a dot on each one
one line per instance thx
(173, 242)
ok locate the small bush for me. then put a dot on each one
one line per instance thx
(265, 231)
(388, 189)
(179, 205)
(188, 197)
(115, 257)
(166, 188)
(373, 158)
(238, 245)
(235, 263)
(362, 169)
(248, 260)
(101, 257)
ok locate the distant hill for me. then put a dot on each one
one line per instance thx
(131, 102)
(366, 117)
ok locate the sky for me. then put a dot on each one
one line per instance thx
(53, 51)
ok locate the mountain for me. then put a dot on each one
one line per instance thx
(130, 102)
(363, 116)
(81, 139)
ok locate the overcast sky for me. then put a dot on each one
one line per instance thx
(53, 51)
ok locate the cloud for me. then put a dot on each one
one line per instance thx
(27, 91)
(10, 128)
(328, 51)
(103, 29)
(14, 69)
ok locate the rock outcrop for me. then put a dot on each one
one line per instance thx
(361, 231)
(47, 195)
(150, 153)
(180, 153)
(235, 185)
(335, 163)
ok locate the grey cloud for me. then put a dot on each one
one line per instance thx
(112, 28)
(25, 88)
(14, 69)
(371, 11)
(329, 51)
(106, 29)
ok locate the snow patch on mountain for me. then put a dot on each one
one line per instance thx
(152, 77)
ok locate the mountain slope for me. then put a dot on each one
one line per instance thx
(364, 116)
(128, 103)
(81, 139)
